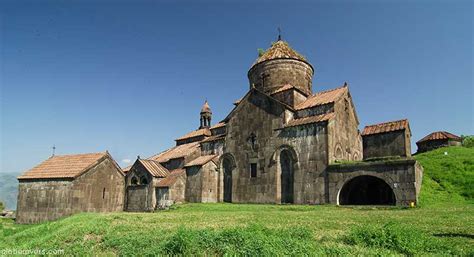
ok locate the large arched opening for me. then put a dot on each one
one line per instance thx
(287, 176)
(228, 166)
(366, 190)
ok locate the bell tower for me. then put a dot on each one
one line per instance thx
(206, 116)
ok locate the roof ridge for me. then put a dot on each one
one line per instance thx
(387, 122)
(68, 155)
(330, 90)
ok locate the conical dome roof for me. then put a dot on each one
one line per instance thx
(206, 108)
(279, 50)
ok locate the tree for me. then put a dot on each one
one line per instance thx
(467, 141)
(1, 206)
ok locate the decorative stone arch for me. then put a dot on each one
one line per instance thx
(134, 181)
(355, 156)
(227, 166)
(287, 166)
(384, 181)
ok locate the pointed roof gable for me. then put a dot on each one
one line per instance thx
(439, 135)
(179, 151)
(200, 160)
(254, 90)
(324, 97)
(154, 168)
(65, 166)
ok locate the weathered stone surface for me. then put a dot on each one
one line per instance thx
(101, 189)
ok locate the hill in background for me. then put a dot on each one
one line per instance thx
(8, 189)
(448, 175)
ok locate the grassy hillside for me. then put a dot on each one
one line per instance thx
(8, 189)
(443, 225)
(447, 177)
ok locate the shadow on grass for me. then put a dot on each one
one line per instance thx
(454, 235)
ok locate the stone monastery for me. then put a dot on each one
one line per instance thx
(281, 144)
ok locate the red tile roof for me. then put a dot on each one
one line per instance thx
(321, 98)
(64, 166)
(279, 50)
(200, 160)
(155, 168)
(309, 120)
(176, 152)
(439, 135)
(386, 127)
(172, 178)
(283, 88)
(213, 138)
(218, 125)
(196, 133)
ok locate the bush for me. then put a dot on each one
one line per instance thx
(393, 236)
(467, 141)
(1, 206)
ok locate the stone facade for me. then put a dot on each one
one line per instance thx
(395, 143)
(403, 177)
(100, 189)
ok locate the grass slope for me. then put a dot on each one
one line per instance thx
(447, 177)
(245, 229)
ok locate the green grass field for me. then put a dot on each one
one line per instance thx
(443, 224)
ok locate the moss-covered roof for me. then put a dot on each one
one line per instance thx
(279, 50)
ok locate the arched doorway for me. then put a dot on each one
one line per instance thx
(366, 190)
(228, 166)
(287, 176)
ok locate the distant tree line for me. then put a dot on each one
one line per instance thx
(467, 140)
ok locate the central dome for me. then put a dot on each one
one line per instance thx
(279, 66)
(279, 50)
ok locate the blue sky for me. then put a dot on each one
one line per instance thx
(130, 76)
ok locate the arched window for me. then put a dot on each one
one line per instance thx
(338, 152)
(143, 181)
(134, 181)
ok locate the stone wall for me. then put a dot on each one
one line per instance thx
(137, 198)
(291, 97)
(260, 116)
(403, 176)
(433, 144)
(395, 143)
(193, 193)
(345, 142)
(280, 72)
(136, 192)
(178, 190)
(101, 189)
(202, 183)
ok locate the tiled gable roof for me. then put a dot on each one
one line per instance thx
(322, 98)
(279, 50)
(283, 88)
(439, 135)
(171, 178)
(196, 133)
(386, 127)
(310, 120)
(176, 152)
(213, 138)
(200, 160)
(155, 168)
(218, 125)
(64, 166)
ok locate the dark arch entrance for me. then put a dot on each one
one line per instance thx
(287, 176)
(366, 190)
(227, 164)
